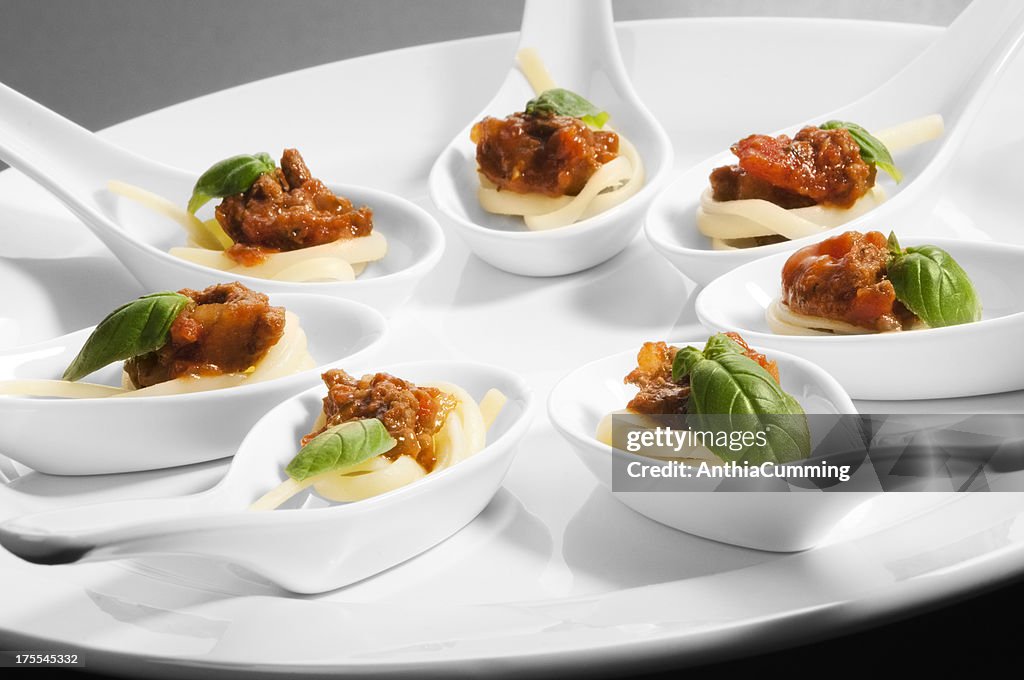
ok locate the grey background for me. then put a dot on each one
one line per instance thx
(101, 61)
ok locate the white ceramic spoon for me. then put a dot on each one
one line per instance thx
(75, 165)
(104, 435)
(777, 521)
(305, 550)
(934, 363)
(952, 77)
(576, 40)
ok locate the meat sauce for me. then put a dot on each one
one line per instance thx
(227, 328)
(543, 154)
(411, 414)
(288, 210)
(659, 393)
(815, 167)
(844, 278)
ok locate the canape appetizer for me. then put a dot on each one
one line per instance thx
(865, 283)
(272, 222)
(723, 391)
(189, 341)
(783, 188)
(555, 162)
(379, 432)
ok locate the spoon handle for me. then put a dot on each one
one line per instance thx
(71, 163)
(575, 38)
(569, 25)
(50, 148)
(951, 76)
(103, 530)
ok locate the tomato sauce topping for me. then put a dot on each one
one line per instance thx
(288, 210)
(227, 328)
(844, 278)
(659, 393)
(411, 414)
(544, 154)
(815, 167)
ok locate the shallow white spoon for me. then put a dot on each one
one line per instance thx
(305, 550)
(576, 40)
(75, 166)
(952, 77)
(114, 434)
(932, 363)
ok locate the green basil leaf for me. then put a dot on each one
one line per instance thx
(734, 393)
(560, 102)
(340, 447)
(596, 121)
(130, 330)
(721, 344)
(687, 357)
(229, 177)
(684, 361)
(930, 283)
(892, 244)
(871, 148)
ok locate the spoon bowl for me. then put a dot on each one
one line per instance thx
(105, 435)
(920, 364)
(576, 39)
(307, 550)
(766, 520)
(75, 166)
(952, 77)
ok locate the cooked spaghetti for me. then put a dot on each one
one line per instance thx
(552, 164)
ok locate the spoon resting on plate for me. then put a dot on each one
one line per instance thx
(309, 549)
(111, 430)
(925, 361)
(577, 43)
(78, 167)
(952, 78)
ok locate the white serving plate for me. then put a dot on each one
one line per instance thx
(585, 581)
(924, 363)
(777, 521)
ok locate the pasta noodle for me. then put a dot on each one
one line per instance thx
(536, 72)
(340, 260)
(613, 183)
(784, 321)
(610, 185)
(298, 265)
(200, 233)
(912, 132)
(689, 452)
(740, 223)
(288, 356)
(732, 221)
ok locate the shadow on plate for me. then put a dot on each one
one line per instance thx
(626, 549)
(637, 288)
